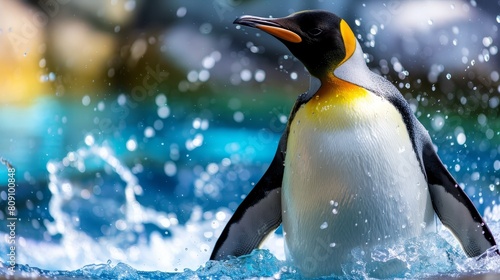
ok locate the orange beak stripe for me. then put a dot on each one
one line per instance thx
(349, 40)
(281, 33)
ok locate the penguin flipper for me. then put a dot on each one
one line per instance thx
(257, 216)
(454, 208)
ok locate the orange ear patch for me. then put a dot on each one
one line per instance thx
(281, 33)
(349, 40)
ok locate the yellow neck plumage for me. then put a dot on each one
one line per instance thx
(337, 100)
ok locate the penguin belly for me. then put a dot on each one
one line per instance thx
(351, 180)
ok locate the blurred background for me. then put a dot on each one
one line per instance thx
(137, 127)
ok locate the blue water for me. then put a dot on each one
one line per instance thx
(107, 190)
(429, 256)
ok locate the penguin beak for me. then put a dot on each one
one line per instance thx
(271, 26)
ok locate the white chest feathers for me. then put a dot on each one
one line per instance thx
(352, 180)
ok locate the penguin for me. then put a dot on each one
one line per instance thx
(354, 167)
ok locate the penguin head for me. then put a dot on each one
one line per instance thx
(320, 40)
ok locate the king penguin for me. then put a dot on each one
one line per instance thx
(354, 167)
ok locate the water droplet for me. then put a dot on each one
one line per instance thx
(129, 5)
(192, 76)
(208, 62)
(489, 133)
(461, 138)
(212, 168)
(429, 22)
(170, 168)
(398, 67)
(324, 225)
(206, 28)
(204, 75)
(335, 211)
(89, 140)
(498, 18)
(448, 76)
(160, 100)
(101, 106)
(131, 145)
(86, 100)
(482, 119)
(260, 75)
(121, 100)
(496, 165)
(42, 63)
(181, 12)
(246, 75)
(437, 122)
(238, 116)
(494, 76)
(163, 112)
(487, 41)
(333, 244)
(149, 132)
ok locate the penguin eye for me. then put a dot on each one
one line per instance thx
(314, 31)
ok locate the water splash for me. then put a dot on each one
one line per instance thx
(427, 256)
(97, 216)
(92, 182)
(63, 190)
